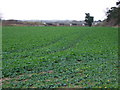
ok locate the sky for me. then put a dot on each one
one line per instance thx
(54, 9)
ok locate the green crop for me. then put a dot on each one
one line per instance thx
(60, 57)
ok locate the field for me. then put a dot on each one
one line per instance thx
(60, 57)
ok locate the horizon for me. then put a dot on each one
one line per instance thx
(46, 19)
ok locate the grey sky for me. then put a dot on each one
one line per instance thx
(54, 9)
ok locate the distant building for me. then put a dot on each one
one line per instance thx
(64, 23)
(96, 22)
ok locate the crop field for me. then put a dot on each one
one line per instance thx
(60, 57)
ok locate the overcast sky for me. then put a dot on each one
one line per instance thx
(54, 9)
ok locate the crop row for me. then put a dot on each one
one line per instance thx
(50, 57)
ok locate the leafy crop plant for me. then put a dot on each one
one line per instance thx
(60, 57)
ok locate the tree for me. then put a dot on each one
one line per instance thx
(118, 3)
(88, 19)
(113, 15)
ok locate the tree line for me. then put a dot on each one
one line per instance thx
(113, 17)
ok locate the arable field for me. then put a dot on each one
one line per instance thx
(60, 57)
